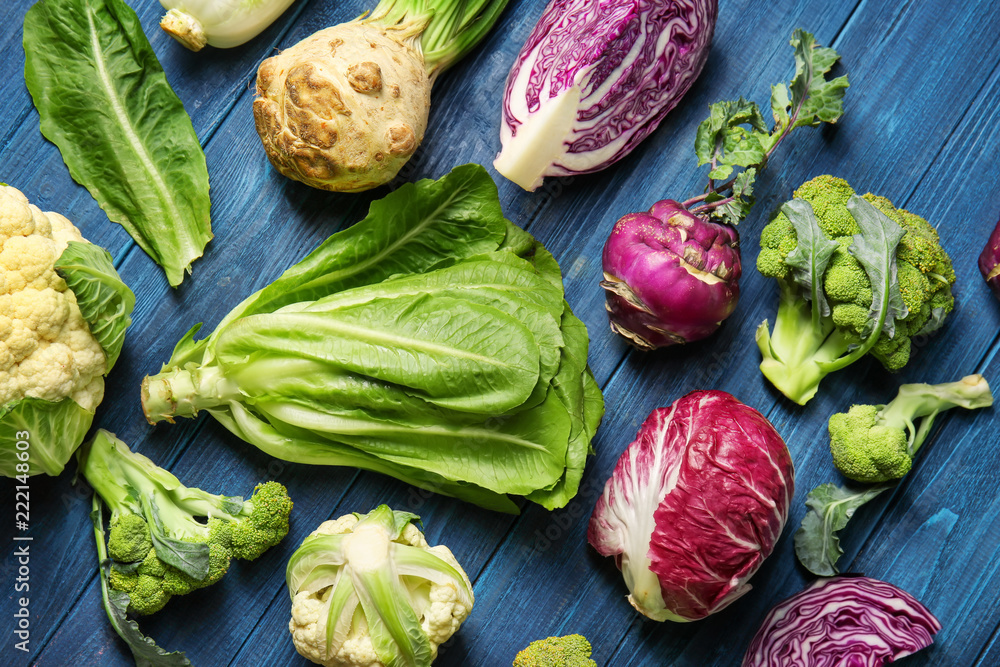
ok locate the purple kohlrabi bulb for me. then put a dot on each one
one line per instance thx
(989, 261)
(671, 276)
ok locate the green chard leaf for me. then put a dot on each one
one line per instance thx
(875, 249)
(831, 507)
(811, 255)
(144, 649)
(104, 300)
(105, 102)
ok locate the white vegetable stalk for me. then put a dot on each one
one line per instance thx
(219, 23)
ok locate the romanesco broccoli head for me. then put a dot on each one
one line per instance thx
(567, 651)
(865, 450)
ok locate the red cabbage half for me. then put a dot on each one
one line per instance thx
(843, 622)
(594, 79)
(694, 506)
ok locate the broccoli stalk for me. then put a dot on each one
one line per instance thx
(168, 539)
(804, 346)
(876, 443)
(568, 651)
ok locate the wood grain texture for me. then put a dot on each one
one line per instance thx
(921, 127)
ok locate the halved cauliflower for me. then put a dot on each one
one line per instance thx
(368, 591)
(56, 291)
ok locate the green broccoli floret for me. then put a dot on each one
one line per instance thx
(876, 443)
(831, 311)
(568, 651)
(167, 539)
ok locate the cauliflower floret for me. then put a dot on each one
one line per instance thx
(46, 348)
(441, 607)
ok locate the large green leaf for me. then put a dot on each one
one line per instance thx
(105, 102)
(104, 300)
(575, 388)
(516, 453)
(451, 352)
(54, 431)
(416, 228)
(288, 443)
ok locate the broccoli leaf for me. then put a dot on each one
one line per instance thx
(737, 205)
(814, 99)
(723, 140)
(191, 558)
(811, 255)
(104, 300)
(875, 249)
(144, 649)
(831, 507)
(105, 102)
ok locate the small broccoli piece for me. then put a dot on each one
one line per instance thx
(130, 540)
(568, 651)
(167, 539)
(830, 313)
(876, 443)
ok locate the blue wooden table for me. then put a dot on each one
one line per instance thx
(921, 126)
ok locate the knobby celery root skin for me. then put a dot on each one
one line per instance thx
(345, 108)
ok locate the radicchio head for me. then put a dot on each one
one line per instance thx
(694, 506)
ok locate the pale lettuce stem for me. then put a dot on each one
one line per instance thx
(179, 392)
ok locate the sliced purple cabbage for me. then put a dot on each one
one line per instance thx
(843, 621)
(670, 276)
(594, 78)
(694, 506)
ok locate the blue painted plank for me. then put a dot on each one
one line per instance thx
(910, 132)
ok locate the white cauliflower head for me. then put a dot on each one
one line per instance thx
(426, 582)
(46, 348)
